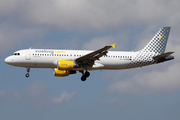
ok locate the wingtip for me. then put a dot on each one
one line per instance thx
(113, 45)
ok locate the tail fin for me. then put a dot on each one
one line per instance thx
(158, 42)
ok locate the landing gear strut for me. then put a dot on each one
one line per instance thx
(27, 74)
(85, 75)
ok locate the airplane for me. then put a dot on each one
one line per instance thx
(67, 62)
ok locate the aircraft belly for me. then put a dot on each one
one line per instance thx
(44, 63)
(115, 64)
(37, 62)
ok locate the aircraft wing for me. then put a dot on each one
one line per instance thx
(88, 59)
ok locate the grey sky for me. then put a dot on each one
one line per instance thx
(143, 93)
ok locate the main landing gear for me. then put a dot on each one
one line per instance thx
(85, 75)
(27, 74)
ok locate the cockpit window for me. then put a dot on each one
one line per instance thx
(16, 54)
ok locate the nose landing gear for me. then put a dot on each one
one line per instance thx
(27, 74)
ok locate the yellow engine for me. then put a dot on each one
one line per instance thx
(64, 68)
(65, 65)
(61, 73)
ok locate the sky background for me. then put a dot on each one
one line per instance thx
(147, 93)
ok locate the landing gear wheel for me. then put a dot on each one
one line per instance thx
(27, 75)
(87, 74)
(84, 75)
(83, 78)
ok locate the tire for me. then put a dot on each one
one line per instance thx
(87, 74)
(27, 75)
(83, 78)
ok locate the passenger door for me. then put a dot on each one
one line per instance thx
(28, 54)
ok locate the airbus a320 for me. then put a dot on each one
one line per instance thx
(68, 62)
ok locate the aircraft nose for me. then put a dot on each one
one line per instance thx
(8, 60)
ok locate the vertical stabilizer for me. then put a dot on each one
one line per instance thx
(158, 42)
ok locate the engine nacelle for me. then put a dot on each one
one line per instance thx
(61, 73)
(65, 65)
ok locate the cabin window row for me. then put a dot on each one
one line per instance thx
(51, 55)
(118, 56)
(56, 55)
(79, 55)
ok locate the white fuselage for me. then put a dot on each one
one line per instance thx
(48, 58)
(66, 62)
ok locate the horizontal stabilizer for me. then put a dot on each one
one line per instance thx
(163, 55)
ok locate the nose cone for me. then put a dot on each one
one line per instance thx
(8, 60)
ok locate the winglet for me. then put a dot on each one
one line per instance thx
(113, 45)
